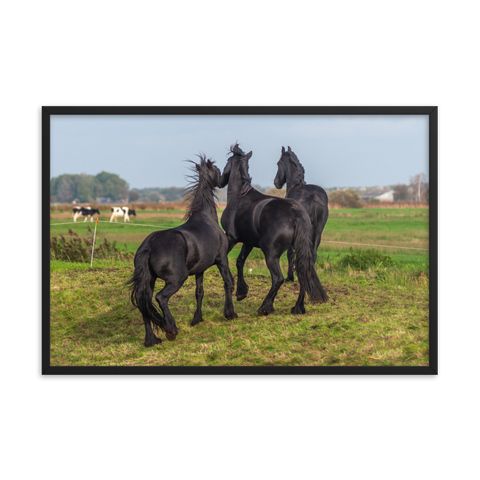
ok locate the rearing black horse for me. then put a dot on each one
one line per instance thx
(272, 224)
(313, 199)
(176, 253)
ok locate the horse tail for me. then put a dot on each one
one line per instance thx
(141, 287)
(305, 264)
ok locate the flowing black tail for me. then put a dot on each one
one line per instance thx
(142, 289)
(304, 263)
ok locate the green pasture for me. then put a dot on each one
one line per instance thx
(377, 314)
(391, 227)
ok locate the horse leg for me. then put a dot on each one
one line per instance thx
(291, 265)
(273, 264)
(197, 318)
(242, 287)
(229, 285)
(150, 338)
(299, 307)
(172, 286)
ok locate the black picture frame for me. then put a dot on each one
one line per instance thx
(431, 369)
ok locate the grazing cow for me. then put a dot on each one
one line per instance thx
(86, 212)
(124, 212)
(76, 212)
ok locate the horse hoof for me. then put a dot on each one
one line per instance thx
(298, 310)
(241, 297)
(288, 279)
(196, 321)
(153, 342)
(263, 312)
(231, 316)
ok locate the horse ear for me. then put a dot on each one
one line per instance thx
(197, 166)
(283, 150)
(249, 155)
(289, 150)
(209, 163)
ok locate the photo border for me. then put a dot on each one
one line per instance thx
(431, 369)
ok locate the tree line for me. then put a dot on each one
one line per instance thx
(416, 191)
(90, 188)
(87, 188)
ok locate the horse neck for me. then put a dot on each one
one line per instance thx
(208, 211)
(235, 185)
(294, 176)
(203, 202)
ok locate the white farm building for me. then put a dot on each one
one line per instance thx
(386, 197)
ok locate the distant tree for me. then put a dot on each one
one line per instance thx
(53, 199)
(172, 194)
(416, 182)
(113, 186)
(274, 192)
(99, 191)
(65, 191)
(123, 193)
(346, 198)
(400, 192)
(154, 197)
(133, 195)
(85, 187)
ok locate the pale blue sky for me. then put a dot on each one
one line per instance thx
(336, 150)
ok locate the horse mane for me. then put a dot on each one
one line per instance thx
(236, 150)
(297, 172)
(200, 191)
(244, 175)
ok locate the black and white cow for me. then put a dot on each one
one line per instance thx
(124, 212)
(86, 212)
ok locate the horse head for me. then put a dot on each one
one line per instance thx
(237, 167)
(289, 169)
(281, 176)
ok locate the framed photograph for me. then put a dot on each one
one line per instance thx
(239, 240)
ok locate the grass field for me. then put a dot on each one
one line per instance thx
(377, 314)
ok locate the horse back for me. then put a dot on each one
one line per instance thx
(314, 200)
(204, 240)
(256, 216)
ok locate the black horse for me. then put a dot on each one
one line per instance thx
(313, 199)
(269, 223)
(174, 254)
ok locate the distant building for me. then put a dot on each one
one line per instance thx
(385, 197)
(368, 197)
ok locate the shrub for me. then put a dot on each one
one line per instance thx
(365, 259)
(76, 249)
(346, 198)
